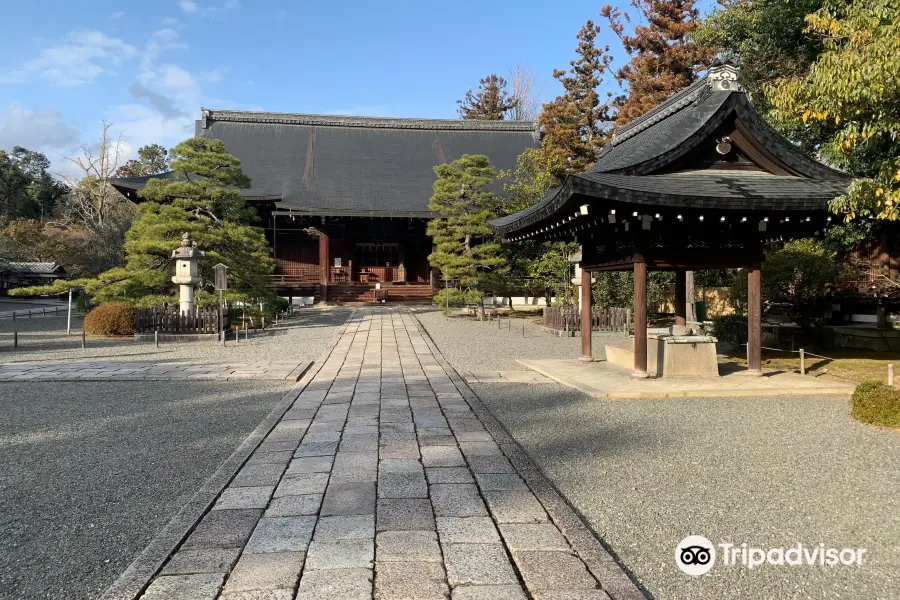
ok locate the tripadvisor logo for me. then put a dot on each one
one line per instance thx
(696, 555)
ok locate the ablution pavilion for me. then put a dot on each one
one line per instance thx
(699, 182)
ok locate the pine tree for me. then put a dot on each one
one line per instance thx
(489, 102)
(464, 246)
(575, 124)
(204, 199)
(663, 57)
(151, 160)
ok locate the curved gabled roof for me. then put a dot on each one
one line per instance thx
(632, 168)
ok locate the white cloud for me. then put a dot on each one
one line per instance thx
(189, 6)
(177, 79)
(172, 22)
(43, 130)
(117, 15)
(207, 10)
(84, 56)
(214, 76)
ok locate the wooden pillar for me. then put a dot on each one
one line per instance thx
(681, 297)
(324, 259)
(754, 320)
(640, 318)
(689, 312)
(587, 354)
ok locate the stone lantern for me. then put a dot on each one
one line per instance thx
(187, 272)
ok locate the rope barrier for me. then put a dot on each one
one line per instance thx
(805, 352)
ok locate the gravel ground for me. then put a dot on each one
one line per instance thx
(769, 472)
(93, 471)
(482, 346)
(301, 338)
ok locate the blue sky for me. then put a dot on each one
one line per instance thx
(148, 67)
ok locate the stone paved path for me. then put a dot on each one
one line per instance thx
(506, 377)
(137, 371)
(381, 482)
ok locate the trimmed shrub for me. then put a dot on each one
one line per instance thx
(457, 297)
(112, 318)
(876, 403)
(731, 329)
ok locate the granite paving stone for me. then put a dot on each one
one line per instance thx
(410, 580)
(341, 554)
(407, 546)
(478, 564)
(489, 592)
(533, 536)
(302, 484)
(281, 534)
(457, 500)
(474, 530)
(357, 498)
(204, 586)
(515, 507)
(449, 475)
(204, 560)
(404, 514)
(269, 571)
(358, 527)
(258, 475)
(311, 464)
(224, 529)
(553, 570)
(336, 584)
(294, 506)
(244, 497)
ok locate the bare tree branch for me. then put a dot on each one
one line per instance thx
(522, 81)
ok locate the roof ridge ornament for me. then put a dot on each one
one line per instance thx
(724, 78)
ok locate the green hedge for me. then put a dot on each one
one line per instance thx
(731, 329)
(876, 403)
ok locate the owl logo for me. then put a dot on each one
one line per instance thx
(695, 555)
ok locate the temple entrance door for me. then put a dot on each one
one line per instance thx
(382, 262)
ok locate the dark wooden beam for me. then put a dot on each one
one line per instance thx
(640, 319)
(681, 297)
(586, 350)
(754, 319)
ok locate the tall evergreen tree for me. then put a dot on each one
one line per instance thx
(151, 160)
(463, 240)
(489, 102)
(575, 124)
(663, 57)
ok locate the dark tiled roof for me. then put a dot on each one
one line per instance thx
(31, 268)
(629, 168)
(720, 190)
(337, 165)
(358, 165)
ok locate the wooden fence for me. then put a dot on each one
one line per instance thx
(204, 319)
(602, 319)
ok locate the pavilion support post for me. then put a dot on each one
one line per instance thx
(324, 265)
(754, 320)
(681, 297)
(587, 354)
(640, 318)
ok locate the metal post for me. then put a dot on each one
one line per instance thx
(83, 339)
(891, 374)
(802, 363)
(29, 313)
(15, 339)
(246, 332)
(156, 337)
(237, 333)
